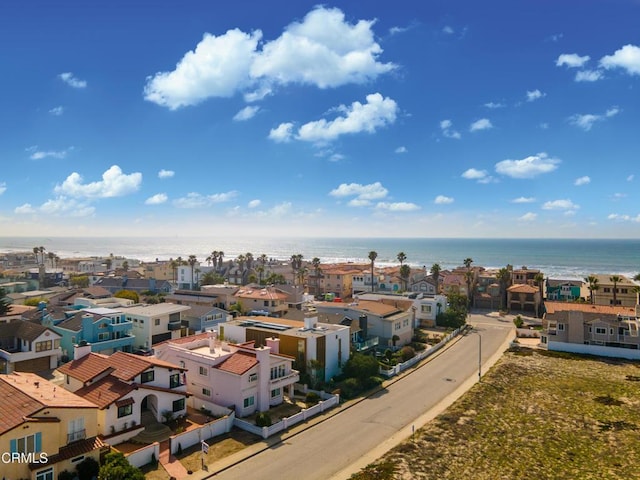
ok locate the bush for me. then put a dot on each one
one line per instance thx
(407, 353)
(66, 475)
(360, 366)
(350, 388)
(312, 398)
(88, 469)
(518, 322)
(263, 419)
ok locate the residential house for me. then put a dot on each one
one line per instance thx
(246, 377)
(563, 290)
(160, 270)
(68, 297)
(15, 312)
(316, 346)
(28, 347)
(603, 330)
(336, 279)
(129, 390)
(139, 285)
(625, 293)
(424, 284)
(424, 308)
(524, 297)
(487, 293)
(524, 275)
(53, 429)
(201, 318)
(391, 321)
(263, 301)
(221, 296)
(156, 323)
(453, 283)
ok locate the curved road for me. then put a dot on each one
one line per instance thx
(358, 435)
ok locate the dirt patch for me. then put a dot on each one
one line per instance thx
(219, 447)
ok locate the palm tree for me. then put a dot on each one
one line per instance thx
(468, 276)
(372, 257)
(174, 268)
(241, 259)
(296, 264)
(636, 290)
(405, 271)
(435, 273)
(637, 277)
(51, 256)
(315, 262)
(260, 270)
(249, 257)
(593, 286)
(467, 262)
(401, 257)
(125, 266)
(539, 279)
(36, 252)
(212, 259)
(615, 279)
(192, 261)
(503, 276)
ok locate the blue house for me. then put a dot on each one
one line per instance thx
(106, 329)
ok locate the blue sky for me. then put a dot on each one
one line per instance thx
(433, 119)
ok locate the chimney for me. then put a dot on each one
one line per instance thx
(274, 344)
(310, 322)
(264, 375)
(212, 342)
(362, 323)
(82, 349)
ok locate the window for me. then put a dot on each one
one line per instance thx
(174, 380)
(397, 326)
(43, 346)
(275, 393)
(203, 371)
(405, 322)
(147, 376)
(178, 405)
(253, 377)
(103, 336)
(561, 327)
(206, 392)
(601, 331)
(141, 322)
(46, 474)
(425, 308)
(28, 444)
(156, 322)
(266, 303)
(125, 410)
(248, 402)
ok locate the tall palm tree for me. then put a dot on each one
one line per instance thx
(405, 271)
(503, 276)
(249, 258)
(220, 257)
(51, 256)
(372, 257)
(192, 261)
(241, 259)
(36, 253)
(467, 262)
(263, 259)
(435, 273)
(174, 268)
(539, 280)
(468, 276)
(615, 279)
(401, 257)
(296, 264)
(593, 286)
(315, 262)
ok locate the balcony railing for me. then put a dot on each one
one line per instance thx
(367, 344)
(77, 435)
(292, 377)
(175, 325)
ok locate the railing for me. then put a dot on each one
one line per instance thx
(372, 342)
(294, 375)
(77, 435)
(175, 325)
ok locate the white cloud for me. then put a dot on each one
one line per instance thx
(624, 218)
(57, 111)
(618, 196)
(534, 95)
(482, 124)
(482, 176)
(166, 173)
(397, 206)
(280, 210)
(401, 150)
(3, 187)
(494, 105)
(41, 154)
(582, 181)
(157, 199)
(447, 131)
(586, 121)
(197, 200)
(72, 81)
(544, 126)
(282, 133)
(66, 206)
(588, 76)
(572, 60)
(627, 57)
(448, 30)
(254, 203)
(246, 113)
(630, 178)
(556, 37)
(564, 204)
(396, 30)
(528, 217)
(336, 157)
(443, 200)
(375, 113)
(372, 191)
(358, 202)
(24, 209)
(114, 183)
(523, 200)
(323, 50)
(528, 167)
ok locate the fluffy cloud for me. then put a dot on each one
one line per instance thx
(523, 200)
(624, 218)
(197, 200)
(3, 187)
(37, 154)
(372, 191)
(157, 199)
(254, 203)
(246, 113)
(358, 117)
(482, 124)
(528, 167)
(586, 121)
(564, 204)
(166, 173)
(443, 200)
(397, 206)
(588, 76)
(59, 206)
(448, 131)
(528, 217)
(72, 81)
(572, 60)
(481, 176)
(323, 50)
(534, 95)
(57, 111)
(401, 150)
(24, 209)
(582, 181)
(630, 178)
(114, 183)
(627, 58)
(494, 105)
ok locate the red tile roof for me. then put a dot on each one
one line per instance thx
(72, 450)
(87, 367)
(553, 307)
(105, 391)
(238, 363)
(523, 288)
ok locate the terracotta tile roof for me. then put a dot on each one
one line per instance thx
(25, 394)
(261, 294)
(105, 391)
(72, 450)
(238, 363)
(553, 307)
(187, 339)
(522, 288)
(96, 292)
(87, 367)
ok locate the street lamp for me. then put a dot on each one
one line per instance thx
(479, 357)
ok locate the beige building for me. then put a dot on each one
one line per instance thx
(524, 297)
(625, 294)
(44, 429)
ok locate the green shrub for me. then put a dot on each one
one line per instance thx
(518, 322)
(407, 353)
(263, 419)
(312, 398)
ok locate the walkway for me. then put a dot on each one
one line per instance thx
(170, 463)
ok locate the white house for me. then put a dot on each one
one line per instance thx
(425, 308)
(28, 347)
(220, 374)
(155, 323)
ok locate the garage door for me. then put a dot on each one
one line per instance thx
(34, 365)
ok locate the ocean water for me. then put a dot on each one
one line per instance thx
(556, 258)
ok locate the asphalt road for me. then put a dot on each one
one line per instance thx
(344, 442)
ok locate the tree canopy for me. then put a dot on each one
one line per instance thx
(130, 294)
(116, 467)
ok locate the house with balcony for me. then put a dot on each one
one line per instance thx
(106, 329)
(524, 298)
(241, 376)
(220, 296)
(55, 429)
(424, 308)
(603, 330)
(28, 347)
(317, 348)
(625, 294)
(201, 318)
(129, 390)
(424, 284)
(156, 323)
(563, 290)
(524, 276)
(336, 279)
(266, 300)
(139, 285)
